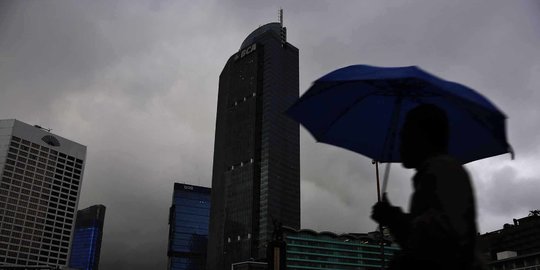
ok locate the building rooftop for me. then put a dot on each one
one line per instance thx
(274, 27)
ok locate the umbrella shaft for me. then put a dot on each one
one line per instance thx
(385, 177)
(378, 182)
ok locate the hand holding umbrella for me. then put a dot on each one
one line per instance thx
(384, 212)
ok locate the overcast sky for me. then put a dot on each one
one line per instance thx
(137, 81)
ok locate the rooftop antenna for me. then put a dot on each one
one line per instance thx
(283, 32)
(281, 16)
(42, 128)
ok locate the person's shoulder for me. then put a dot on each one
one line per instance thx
(442, 173)
(442, 164)
(444, 160)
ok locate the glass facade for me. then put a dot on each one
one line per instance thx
(86, 245)
(188, 227)
(307, 249)
(256, 170)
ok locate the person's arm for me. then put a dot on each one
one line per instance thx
(398, 222)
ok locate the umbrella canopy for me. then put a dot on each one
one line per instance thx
(362, 108)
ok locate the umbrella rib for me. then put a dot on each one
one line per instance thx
(345, 111)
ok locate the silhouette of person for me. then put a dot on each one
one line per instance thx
(439, 232)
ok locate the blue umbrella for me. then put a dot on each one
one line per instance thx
(362, 108)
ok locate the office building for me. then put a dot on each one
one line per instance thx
(41, 176)
(515, 246)
(188, 227)
(256, 169)
(307, 249)
(86, 244)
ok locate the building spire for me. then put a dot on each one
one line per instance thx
(281, 16)
(283, 31)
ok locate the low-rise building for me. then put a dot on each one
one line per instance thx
(515, 246)
(308, 249)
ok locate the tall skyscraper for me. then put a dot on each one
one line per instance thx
(86, 244)
(39, 192)
(188, 227)
(256, 170)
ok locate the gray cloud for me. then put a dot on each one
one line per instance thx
(137, 83)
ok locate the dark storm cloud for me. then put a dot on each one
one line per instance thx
(137, 83)
(506, 189)
(515, 197)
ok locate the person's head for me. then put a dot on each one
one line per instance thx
(424, 134)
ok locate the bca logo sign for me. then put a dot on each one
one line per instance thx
(245, 51)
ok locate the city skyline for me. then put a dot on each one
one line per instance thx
(137, 83)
